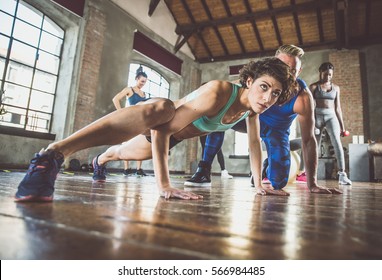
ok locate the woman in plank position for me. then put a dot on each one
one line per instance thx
(156, 125)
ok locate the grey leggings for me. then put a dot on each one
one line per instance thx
(326, 117)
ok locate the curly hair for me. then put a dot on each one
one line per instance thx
(275, 68)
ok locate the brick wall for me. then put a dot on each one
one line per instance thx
(347, 75)
(89, 74)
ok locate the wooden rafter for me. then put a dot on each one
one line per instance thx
(254, 26)
(319, 24)
(338, 11)
(184, 28)
(208, 12)
(198, 32)
(270, 52)
(153, 6)
(180, 44)
(237, 33)
(275, 25)
(297, 23)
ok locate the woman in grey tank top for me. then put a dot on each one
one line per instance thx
(328, 114)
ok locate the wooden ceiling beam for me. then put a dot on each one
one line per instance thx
(153, 5)
(206, 8)
(297, 24)
(198, 33)
(185, 28)
(270, 52)
(319, 24)
(275, 25)
(339, 22)
(180, 43)
(235, 30)
(254, 26)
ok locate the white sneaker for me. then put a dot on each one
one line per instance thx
(343, 178)
(226, 175)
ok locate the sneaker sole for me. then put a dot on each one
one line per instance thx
(300, 182)
(191, 184)
(99, 181)
(33, 198)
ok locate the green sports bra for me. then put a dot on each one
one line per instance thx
(206, 124)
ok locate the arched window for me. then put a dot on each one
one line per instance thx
(30, 55)
(156, 85)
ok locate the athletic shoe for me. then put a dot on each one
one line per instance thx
(343, 178)
(199, 180)
(128, 172)
(140, 173)
(99, 173)
(202, 177)
(252, 183)
(301, 179)
(264, 181)
(226, 175)
(38, 184)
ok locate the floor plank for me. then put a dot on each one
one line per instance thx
(125, 218)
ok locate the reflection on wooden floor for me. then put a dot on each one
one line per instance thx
(125, 219)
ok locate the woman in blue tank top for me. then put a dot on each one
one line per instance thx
(215, 106)
(134, 95)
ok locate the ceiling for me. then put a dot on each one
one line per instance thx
(221, 30)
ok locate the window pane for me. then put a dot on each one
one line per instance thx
(165, 84)
(53, 28)
(29, 14)
(50, 43)
(16, 95)
(26, 33)
(163, 92)
(4, 43)
(41, 101)
(14, 117)
(6, 23)
(19, 74)
(48, 62)
(154, 89)
(8, 6)
(2, 66)
(37, 42)
(38, 121)
(155, 77)
(23, 53)
(44, 81)
(241, 143)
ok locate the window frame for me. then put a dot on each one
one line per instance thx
(25, 128)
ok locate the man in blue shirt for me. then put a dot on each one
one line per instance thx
(275, 128)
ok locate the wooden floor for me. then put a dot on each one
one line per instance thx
(125, 219)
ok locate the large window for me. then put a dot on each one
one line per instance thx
(156, 85)
(30, 55)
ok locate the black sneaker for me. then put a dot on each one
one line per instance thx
(140, 173)
(38, 184)
(202, 177)
(128, 172)
(99, 173)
